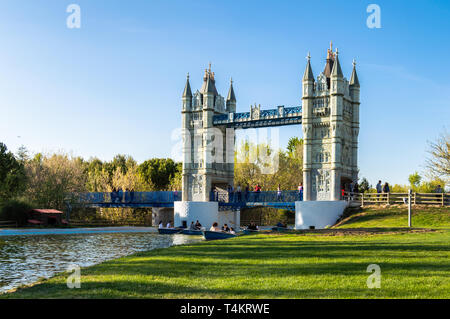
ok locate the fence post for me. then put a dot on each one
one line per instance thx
(442, 199)
(387, 198)
(362, 200)
(409, 208)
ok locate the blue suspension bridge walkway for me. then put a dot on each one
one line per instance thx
(227, 201)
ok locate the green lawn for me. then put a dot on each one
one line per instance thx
(413, 265)
(426, 217)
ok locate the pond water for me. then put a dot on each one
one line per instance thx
(26, 257)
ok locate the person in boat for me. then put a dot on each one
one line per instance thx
(192, 227)
(198, 225)
(232, 231)
(215, 227)
(169, 224)
(161, 225)
(226, 228)
(252, 226)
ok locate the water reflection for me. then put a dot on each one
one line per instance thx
(26, 259)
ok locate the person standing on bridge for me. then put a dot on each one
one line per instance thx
(113, 195)
(300, 191)
(120, 195)
(279, 193)
(239, 193)
(257, 191)
(132, 195)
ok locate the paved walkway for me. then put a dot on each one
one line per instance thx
(71, 231)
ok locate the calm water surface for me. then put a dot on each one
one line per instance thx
(25, 259)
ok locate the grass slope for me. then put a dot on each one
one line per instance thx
(426, 217)
(413, 265)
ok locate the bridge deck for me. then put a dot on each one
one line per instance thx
(233, 201)
(265, 118)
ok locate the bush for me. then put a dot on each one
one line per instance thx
(15, 210)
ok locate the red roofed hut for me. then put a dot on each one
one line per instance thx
(46, 217)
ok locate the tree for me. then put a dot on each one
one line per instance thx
(54, 179)
(364, 186)
(12, 174)
(414, 180)
(284, 168)
(438, 163)
(158, 172)
(295, 147)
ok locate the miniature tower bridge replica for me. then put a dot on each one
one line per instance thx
(329, 116)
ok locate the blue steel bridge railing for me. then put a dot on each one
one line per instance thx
(256, 197)
(159, 197)
(285, 199)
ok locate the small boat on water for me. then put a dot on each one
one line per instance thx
(169, 231)
(192, 232)
(280, 229)
(212, 235)
(250, 231)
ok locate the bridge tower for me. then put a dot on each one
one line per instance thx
(330, 121)
(208, 151)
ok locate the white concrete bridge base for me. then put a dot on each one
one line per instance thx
(319, 214)
(206, 213)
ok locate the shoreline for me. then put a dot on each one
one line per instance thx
(75, 231)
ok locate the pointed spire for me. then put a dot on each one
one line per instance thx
(231, 97)
(354, 79)
(337, 71)
(187, 89)
(209, 85)
(308, 75)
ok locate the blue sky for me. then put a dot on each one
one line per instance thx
(114, 86)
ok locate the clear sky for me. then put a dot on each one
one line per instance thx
(114, 85)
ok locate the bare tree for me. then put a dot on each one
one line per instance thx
(438, 162)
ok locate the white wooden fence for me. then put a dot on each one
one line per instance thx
(442, 199)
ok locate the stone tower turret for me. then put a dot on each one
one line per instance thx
(307, 107)
(330, 119)
(231, 99)
(206, 145)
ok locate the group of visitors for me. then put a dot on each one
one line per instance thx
(237, 195)
(168, 225)
(196, 226)
(225, 228)
(252, 226)
(382, 188)
(117, 195)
